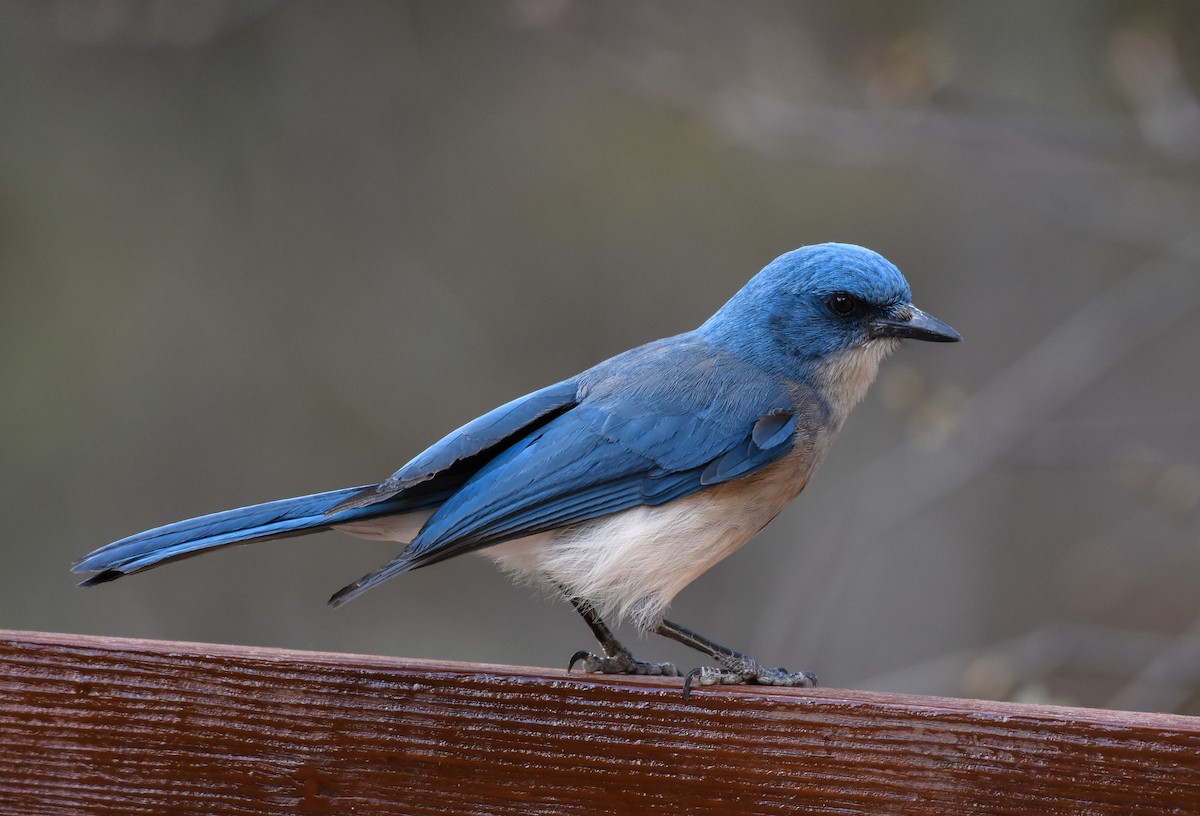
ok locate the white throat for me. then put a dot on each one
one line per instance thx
(846, 378)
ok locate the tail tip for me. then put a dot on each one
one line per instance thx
(345, 594)
(101, 578)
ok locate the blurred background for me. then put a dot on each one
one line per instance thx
(253, 249)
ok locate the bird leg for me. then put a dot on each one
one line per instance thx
(616, 659)
(735, 667)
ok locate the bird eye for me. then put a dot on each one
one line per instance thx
(842, 304)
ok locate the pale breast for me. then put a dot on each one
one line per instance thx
(632, 564)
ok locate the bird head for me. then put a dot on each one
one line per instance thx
(819, 304)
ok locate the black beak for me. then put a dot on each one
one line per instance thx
(911, 323)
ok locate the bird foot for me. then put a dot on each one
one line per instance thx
(620, 663)
(745, 670)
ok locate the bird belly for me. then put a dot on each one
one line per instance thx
(631, 564)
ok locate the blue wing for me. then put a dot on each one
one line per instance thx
(461, 451)
(654, 424)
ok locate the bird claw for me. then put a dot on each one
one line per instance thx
(620, 663)
(748, 672)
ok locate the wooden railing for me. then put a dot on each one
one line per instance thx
(111, 726)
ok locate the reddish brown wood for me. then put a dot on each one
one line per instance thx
(111, 726)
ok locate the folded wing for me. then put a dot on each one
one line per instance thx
(623, 446)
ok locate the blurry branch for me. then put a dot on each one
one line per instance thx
(1077, 171)
(1166, 681)
(1065, 176)
(153, 22)
(1128, 315)
(1156, 478)
(1010, 668)
(1149, 73)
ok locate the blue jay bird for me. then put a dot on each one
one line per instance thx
(622, 484)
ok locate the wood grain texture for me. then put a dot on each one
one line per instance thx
(113, 726)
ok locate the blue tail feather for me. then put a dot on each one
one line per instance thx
(277, 519)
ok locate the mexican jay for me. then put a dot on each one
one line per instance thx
(622, 484)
